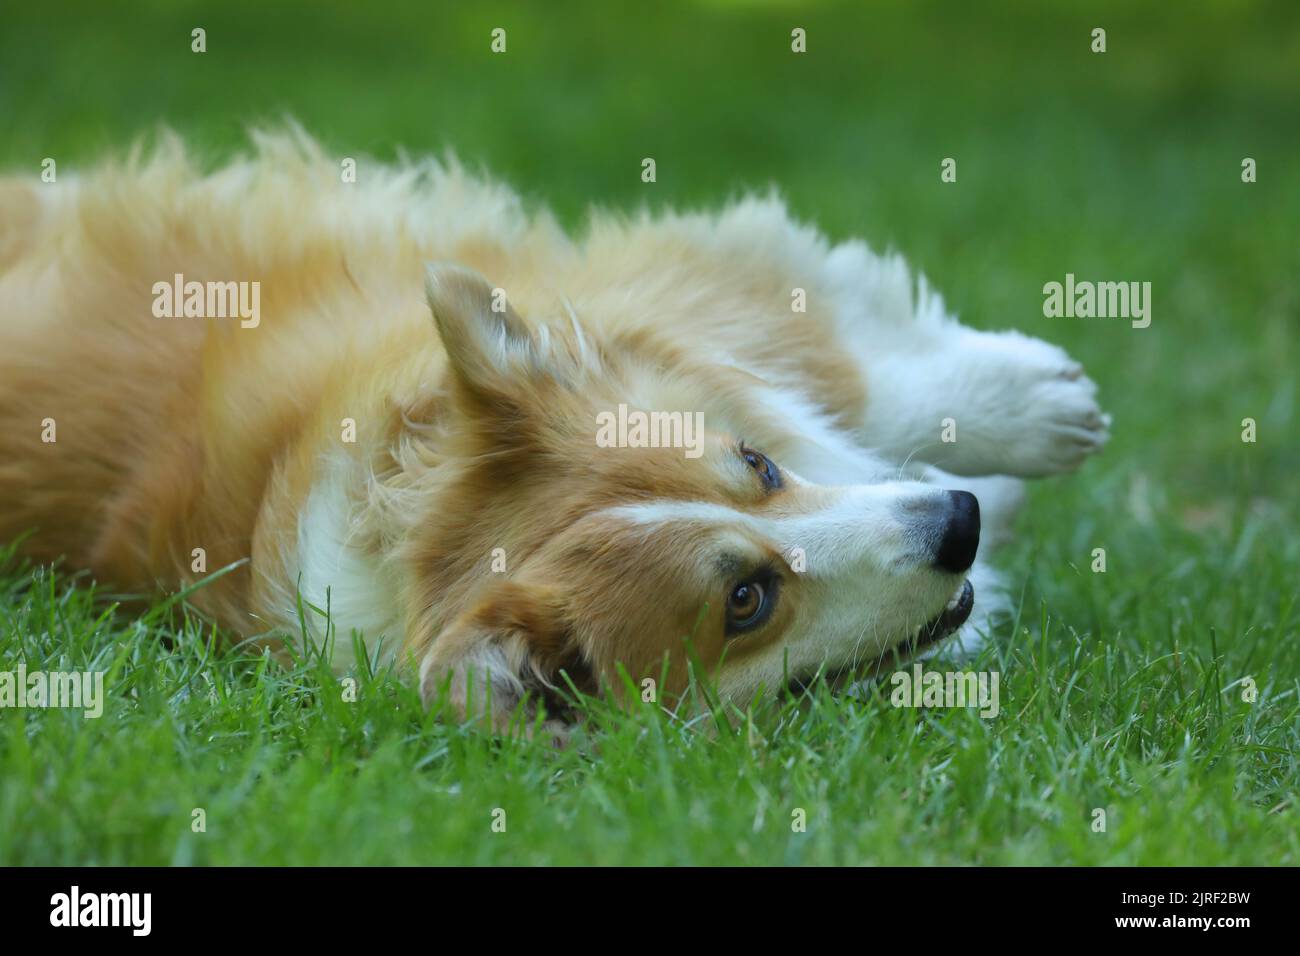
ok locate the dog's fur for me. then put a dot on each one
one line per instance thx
(476, 429)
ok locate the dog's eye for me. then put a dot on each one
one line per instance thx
(749, 604)
(745, 603)
(764, 466)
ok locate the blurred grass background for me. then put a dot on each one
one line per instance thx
(1117, 166)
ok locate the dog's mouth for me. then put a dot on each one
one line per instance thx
(953, 616)
(944, 624)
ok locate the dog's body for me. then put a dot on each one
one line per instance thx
(475, 524)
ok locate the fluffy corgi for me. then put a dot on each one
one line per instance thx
(505, 455)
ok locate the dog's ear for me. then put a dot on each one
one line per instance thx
(488, 346)
(510, 644)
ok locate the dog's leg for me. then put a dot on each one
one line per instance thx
(973, 403)
(983, 403)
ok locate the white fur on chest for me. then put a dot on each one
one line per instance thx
(339, 574)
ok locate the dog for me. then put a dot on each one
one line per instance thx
(470, 437)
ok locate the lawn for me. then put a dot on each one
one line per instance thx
(1121, 691)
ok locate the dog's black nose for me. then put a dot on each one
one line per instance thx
(961, 535)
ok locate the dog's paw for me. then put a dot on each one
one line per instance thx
(1046, 408)
(1012, 405)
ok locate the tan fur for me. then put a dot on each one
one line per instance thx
(474, 345)
(180, 433)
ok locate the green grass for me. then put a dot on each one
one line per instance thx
(1119, 690)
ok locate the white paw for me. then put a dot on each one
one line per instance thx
(1039, 413)
(984, 403)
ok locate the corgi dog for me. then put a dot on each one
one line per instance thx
(511, 458)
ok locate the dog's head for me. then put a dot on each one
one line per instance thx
(553, 552)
